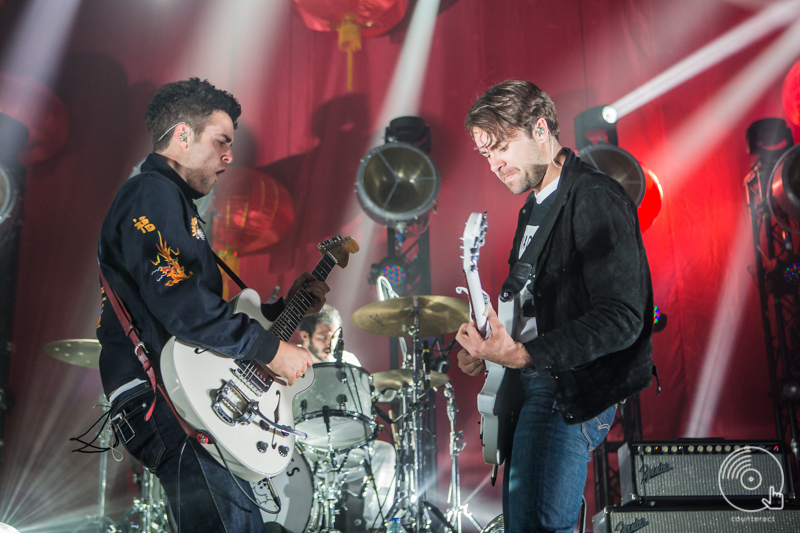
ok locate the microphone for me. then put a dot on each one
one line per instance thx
(339, 350)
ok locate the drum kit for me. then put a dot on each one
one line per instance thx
(342, 477)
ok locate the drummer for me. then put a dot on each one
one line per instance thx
(317, 333)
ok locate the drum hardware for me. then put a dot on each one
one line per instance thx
(414, 316)
(151, 507)
(456, 509)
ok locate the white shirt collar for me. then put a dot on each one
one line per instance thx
(547, 191)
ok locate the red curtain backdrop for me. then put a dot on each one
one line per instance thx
(301, 127)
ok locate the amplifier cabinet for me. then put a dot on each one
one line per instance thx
(642, 520)
(695, 471)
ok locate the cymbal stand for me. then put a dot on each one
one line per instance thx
(332, 489)
(457, 509)
(105, 438)
(421, 385)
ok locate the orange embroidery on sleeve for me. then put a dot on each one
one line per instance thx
(171, 269)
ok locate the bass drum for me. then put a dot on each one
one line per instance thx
(300, 508)
(495, 526)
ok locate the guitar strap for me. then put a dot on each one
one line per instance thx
(141, 353)
(229, 271)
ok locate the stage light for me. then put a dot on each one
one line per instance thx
(620, 165)
(659, 319)
(594, 125)
(785, 182)
(397, 183)
(9, 206)
(397, 271)
(790, 95)
(5, 528)
(791, 273)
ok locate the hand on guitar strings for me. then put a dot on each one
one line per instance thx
(290, 362)
(317, 290)
(499, 348)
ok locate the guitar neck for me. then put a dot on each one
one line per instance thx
(296, 309)
(477, 298)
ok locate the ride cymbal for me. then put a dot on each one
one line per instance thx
(395, 317)
(80, 352)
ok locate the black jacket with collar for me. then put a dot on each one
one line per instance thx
(592, 293)
(154, 255)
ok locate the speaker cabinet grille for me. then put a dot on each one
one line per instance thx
(627, 520)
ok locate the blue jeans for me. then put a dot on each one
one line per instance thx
(205, 492)
(544, 479)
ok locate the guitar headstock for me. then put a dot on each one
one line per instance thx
(340, 248)
(474, 237)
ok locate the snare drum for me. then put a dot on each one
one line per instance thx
(300, 508)
(343, 395)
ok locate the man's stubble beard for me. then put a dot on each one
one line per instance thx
(539, 172)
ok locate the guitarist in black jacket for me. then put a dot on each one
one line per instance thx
(580, 285)
(155, 256)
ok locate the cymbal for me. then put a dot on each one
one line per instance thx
(395, 379)
(81, 352)
(394, 318)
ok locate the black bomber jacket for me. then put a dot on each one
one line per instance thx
(593, 296)
(155, 256)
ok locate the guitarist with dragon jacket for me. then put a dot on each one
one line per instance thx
(154, 255)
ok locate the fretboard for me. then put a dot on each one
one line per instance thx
(296, 309)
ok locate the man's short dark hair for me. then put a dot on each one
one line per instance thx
(191, 101)
(510, 107)
(328, 315)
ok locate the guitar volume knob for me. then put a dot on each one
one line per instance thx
(262, 446)
(283, 450)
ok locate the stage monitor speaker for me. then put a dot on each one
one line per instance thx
(702, 470)
(640, 520)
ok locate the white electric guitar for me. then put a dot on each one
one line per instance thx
(497, 404)
(247, 412)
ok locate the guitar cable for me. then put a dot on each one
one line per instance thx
(269, 486)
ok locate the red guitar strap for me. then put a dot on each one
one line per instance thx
(141, 353)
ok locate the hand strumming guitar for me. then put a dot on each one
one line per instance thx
(290, 362)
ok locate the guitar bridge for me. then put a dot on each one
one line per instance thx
(231, 405)
(252, 376)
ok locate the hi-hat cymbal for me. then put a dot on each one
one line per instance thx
(395, 379)
(81, 352)
(395, 318)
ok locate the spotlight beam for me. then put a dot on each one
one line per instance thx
(405, 89)
(701, 133)
(727, 319)
(38, 42)
(768, 20)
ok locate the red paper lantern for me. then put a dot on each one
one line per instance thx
(353, 19)
(37, 107)
(253, 211)
(791, 94)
